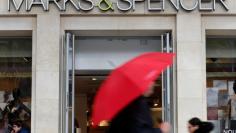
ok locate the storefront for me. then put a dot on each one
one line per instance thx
(54, 55)
(89, 59)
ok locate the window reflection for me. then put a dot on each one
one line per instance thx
(221, 82)
(15, 82)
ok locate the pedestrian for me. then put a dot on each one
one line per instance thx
(135, 118)
(195, 125)
(18, 127)
(205, 127)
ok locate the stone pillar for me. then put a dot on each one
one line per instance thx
(46, 104)
(190, 69)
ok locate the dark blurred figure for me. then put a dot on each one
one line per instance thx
(18, 127)
(205, 127)
(195, 125)
(135, 118)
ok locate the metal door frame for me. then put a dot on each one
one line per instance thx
(168, 92)
(67, 79)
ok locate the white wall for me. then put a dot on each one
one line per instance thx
(107, 53)
(190, 70)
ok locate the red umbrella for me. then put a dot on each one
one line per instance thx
(128, 82)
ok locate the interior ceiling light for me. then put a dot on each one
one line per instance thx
(94, 79)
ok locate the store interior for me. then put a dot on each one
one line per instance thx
(15, 81)
(86, 88)
(221, 81)
(95, 58)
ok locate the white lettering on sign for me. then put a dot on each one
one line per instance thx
(229, 131)
(122, 5)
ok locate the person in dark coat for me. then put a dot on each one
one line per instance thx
(157, 130)
(135, 118)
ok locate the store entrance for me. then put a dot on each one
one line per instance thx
(88, 60)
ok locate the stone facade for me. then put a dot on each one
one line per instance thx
(189, 30)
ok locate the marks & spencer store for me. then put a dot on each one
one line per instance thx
(55, 53)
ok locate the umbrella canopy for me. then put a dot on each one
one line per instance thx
(128, 82)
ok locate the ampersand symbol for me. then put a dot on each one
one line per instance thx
(108, 3)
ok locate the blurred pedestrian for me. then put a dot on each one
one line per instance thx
(125, 87)
(205, 127)
(135, 118)
(195, 125)
(19, 128)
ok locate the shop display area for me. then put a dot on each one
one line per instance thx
(15, 82)
(221, 82)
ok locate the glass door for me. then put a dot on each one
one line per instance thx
(79, 89)
(67, 80)
(167, 82)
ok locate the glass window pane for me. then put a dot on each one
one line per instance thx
(221, 82)
(15, 82)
